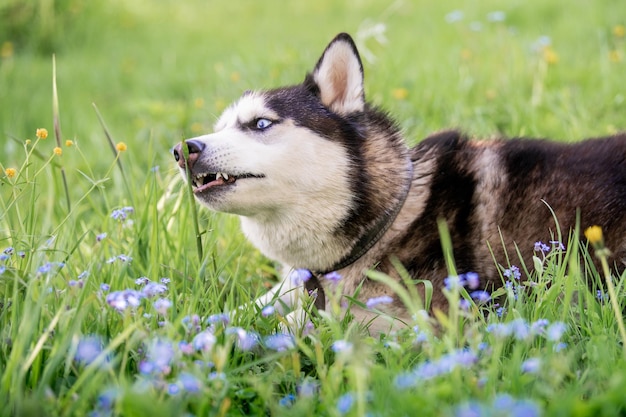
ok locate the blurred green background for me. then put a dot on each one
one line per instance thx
(162, 70)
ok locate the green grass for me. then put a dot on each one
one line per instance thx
(159, 72)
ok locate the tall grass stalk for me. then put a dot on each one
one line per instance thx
(56, 118)
(192, 202)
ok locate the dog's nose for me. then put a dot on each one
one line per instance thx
(195, 148)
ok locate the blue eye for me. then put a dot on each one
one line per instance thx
(263, 124)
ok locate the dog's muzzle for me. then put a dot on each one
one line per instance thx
(195, 147)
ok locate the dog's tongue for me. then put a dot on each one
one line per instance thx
(214, 183)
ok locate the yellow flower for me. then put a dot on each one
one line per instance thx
(121, 147)
(619, 31)
(615, 56)
(550, 56)
(220, 104)
(594, 235)
(235, 76)
(198, 103)
(10, 172)
(400, 93)
(69, 142)
(57, 151)
(466, 54)
(6, 50)
(196, 127)
(27, 142)
(42, 133)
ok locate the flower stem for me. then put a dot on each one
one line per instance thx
(613, 297)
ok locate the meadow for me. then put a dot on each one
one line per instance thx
(113, 304)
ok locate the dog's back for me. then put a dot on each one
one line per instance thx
(502, 196)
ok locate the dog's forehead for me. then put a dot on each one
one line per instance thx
(251, 105)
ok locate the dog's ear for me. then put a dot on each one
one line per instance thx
(338, 77)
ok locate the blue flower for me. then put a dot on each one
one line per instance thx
(158, 358)
(8, 251)
(105, 287)
(452, 282)
(502, 405)
(531, 366)
(162, 305)
(344, 403)
(420, 336)
(300, 276)
(470, 409)
(499, 330)
(100, 237)
(88, 349)
(373, 302)
(204, 341)
(221, 318)
(173, 389)
(308, 388)
(188, 382)
(342, 346)
(447, 363)
(152, 289)
(287, 400)
(121, 300)
(185, 348)
(268, 310)
(557, 245)
(512, 272)
(454, 16)
(121, 258)
(333, 277)
(246, 340)
(280, 342)
(472, 280)
(121, 214)
(525, 409)
(496, 16)
(520, 329)
(45, 268)
(142, 281)
(541, 247)
(75, 283)
(4, 257)
(480, 297)
(555, 331)
(106, 399)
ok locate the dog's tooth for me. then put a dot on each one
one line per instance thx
(218, 175)
(225, 176)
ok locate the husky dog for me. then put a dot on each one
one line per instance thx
(324, 181)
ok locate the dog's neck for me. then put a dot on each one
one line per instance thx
(307, 239)
(377, 230)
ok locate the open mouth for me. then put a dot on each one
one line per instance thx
(203, 182)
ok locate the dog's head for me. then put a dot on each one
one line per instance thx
(285, 148)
